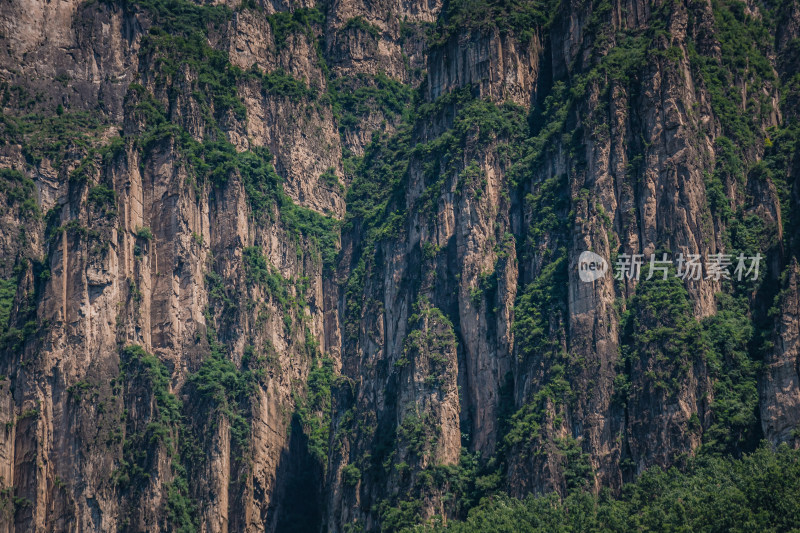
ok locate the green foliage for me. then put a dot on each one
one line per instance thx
(578, 472)
(146, 373)
(728, 169)
(354, 299)
(178, 42)
(28, 413)
(330, 179)
(541, 303)
(477, 124)
(222, 389)
(9, 503)
(102, 196)
(12, 337)
(322, 232)
(351, 475)
(181, 508)
(215, 85)
(314, 410)
(621, 63)
(475, 119)
(374, 206)
(352, 98)
(257, 271)
(525, 18)
(378, 177)
(261, 183)
(735, 428)
(430, 340)
(52, 137)
(8, 290)
(745, 45)
(430, 250)
(360, 23)
(77, 390)
(418, 433)
(376, 199)
(182, 17)
(536, 305)
(144, 233)
(661, 332)
(301, 20)
(745, 233)
(661, 313)
(458, 486)
(281, 83)
(403, 514)
(21, 191)
(659, 326)
(524, 426)
(166, 422)
(713, 494)
(138, 364)
(217, 160)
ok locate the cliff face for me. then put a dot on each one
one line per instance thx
(267, 266)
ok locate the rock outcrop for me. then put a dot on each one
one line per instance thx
(270, 265)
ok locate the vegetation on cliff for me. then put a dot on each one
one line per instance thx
(755, 493)
(460, 218)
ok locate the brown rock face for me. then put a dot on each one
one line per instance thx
(270, 266)
(780, 385)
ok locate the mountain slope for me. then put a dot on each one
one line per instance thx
(274, 266)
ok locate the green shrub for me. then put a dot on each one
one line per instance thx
(53, 137)
(314, 410)
(330, 179)
(360, 23)
(712, 494)
(8, 290)
(136, 362)
(522, 17)
(354, 97)
(744, 46)
(218, 160)
(19, 190)
(166, 422)
(182, 17)
(103, 197)
(351, 475)
(144, 233)
(301, 20)
(735, 424)
(280, 83)
(257, 271)
(180, 506)
(660, 331)
(220, 388)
